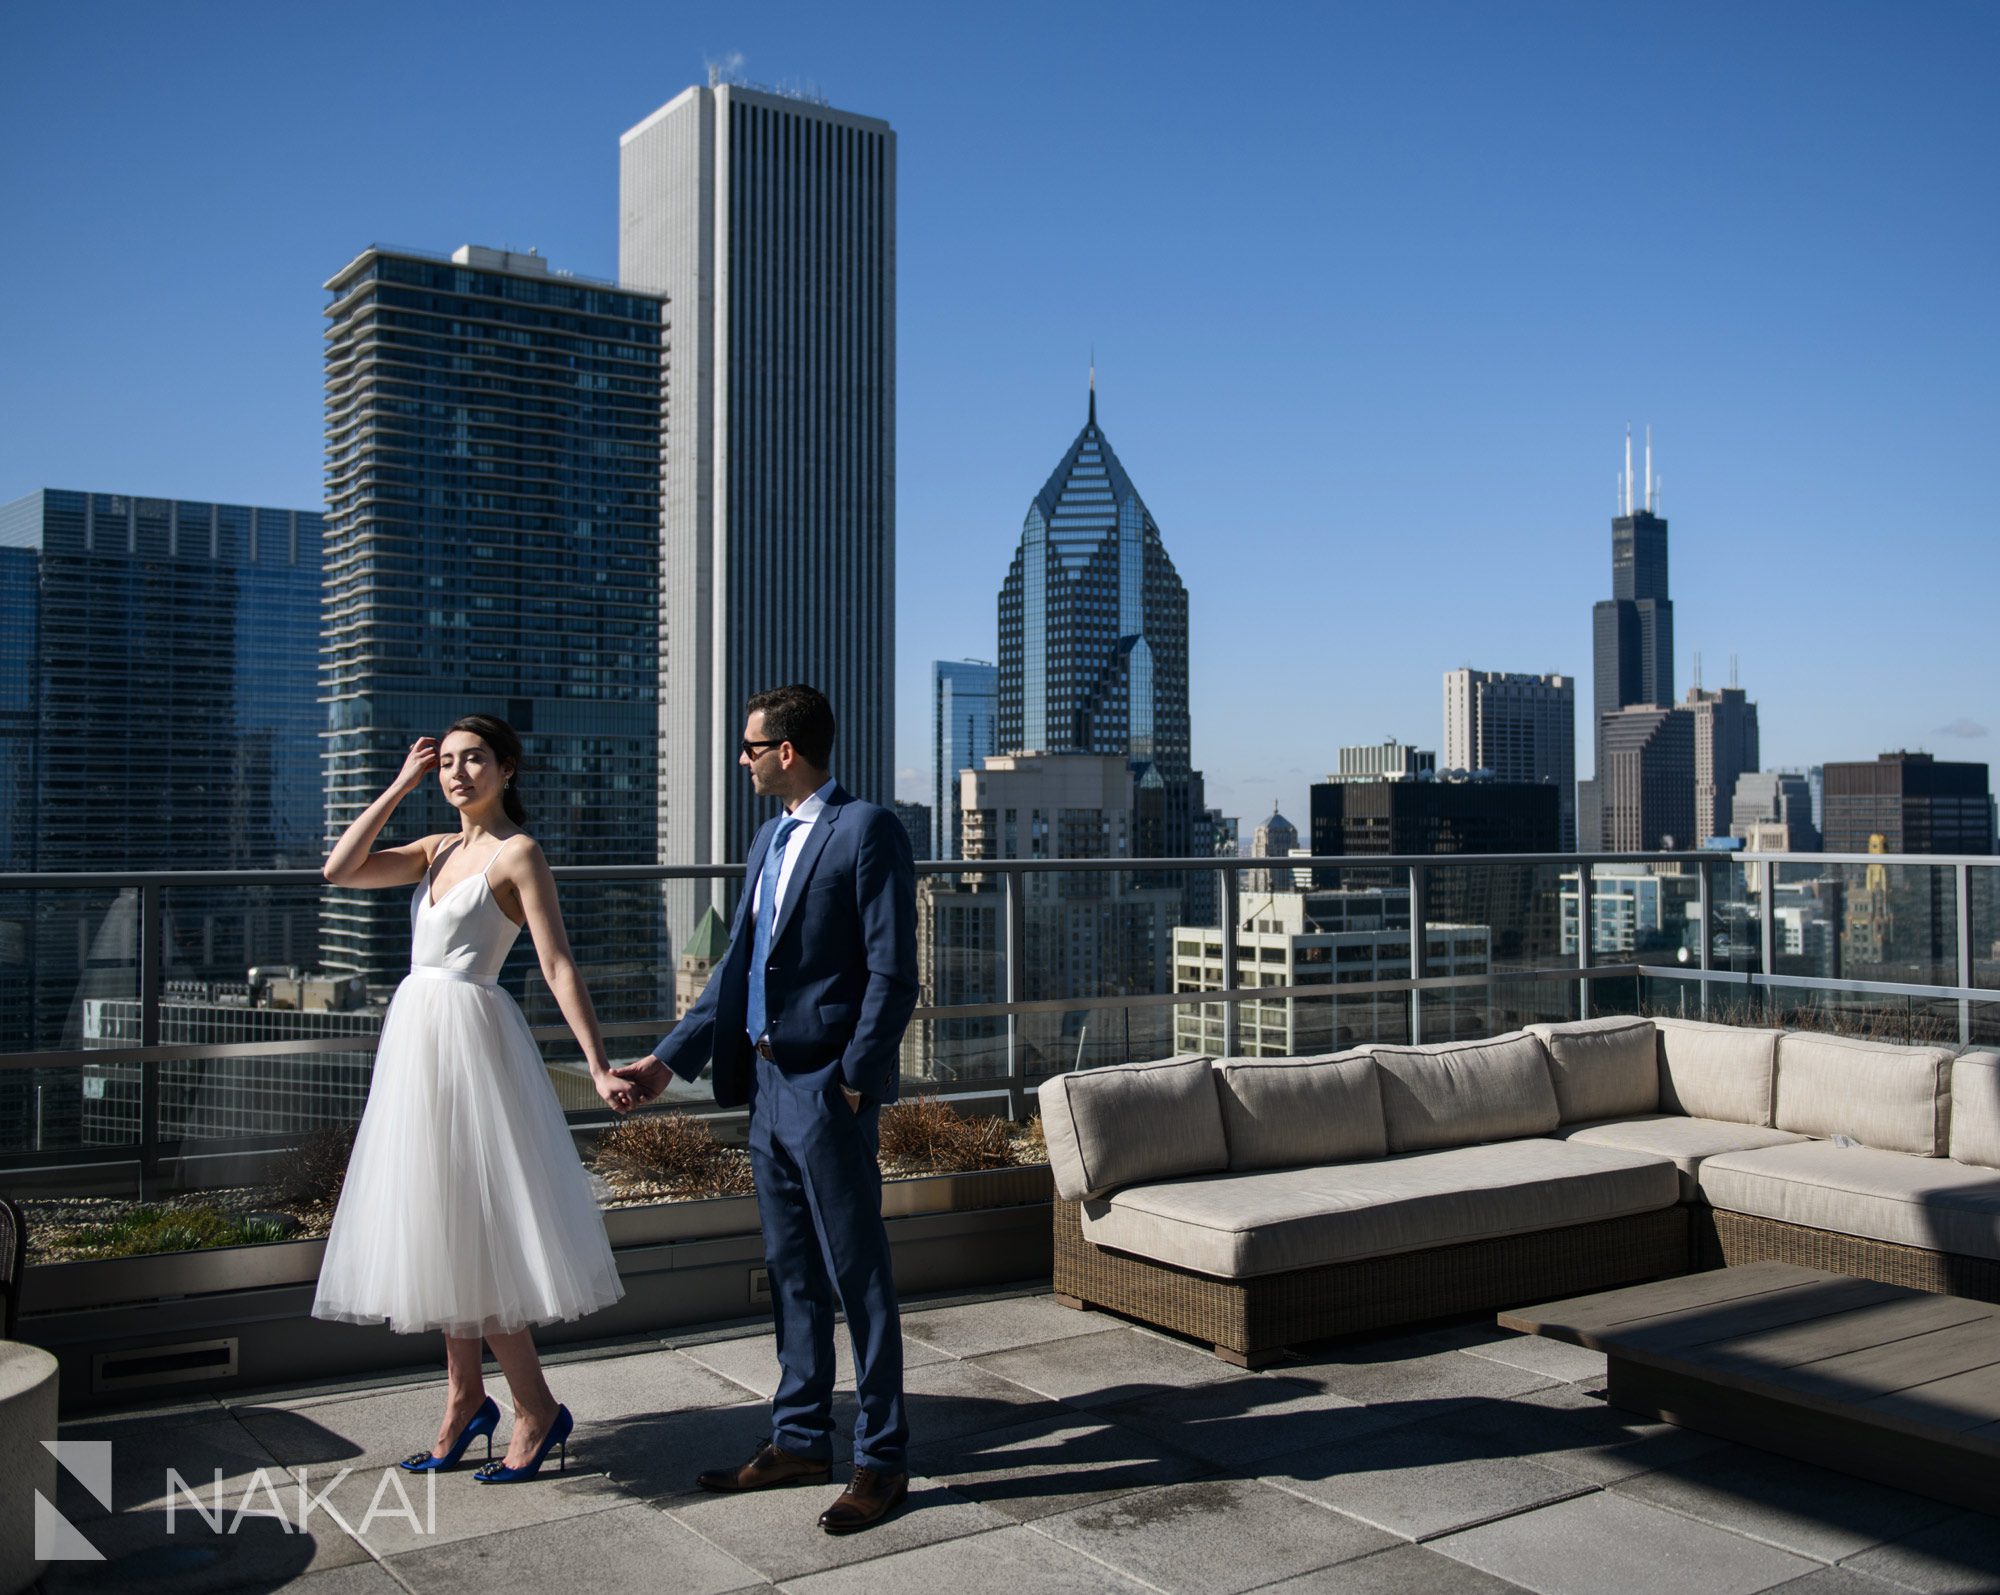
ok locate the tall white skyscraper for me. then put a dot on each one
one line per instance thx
(1521, 727)
(770, 223)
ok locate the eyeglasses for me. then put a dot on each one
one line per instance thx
(751, 749)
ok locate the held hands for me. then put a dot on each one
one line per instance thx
(648, 1077)
(417, 763)
(616, 1091)
(643, 1080)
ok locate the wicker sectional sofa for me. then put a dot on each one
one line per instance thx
(1255, 1203)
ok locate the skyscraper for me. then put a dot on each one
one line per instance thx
(1645, 779)
(493, 441)
(1725, 748)
(964, 694)
(158, 710)
(1519, 727)
(1275, 838)
(770, 223)
(1777, 804)
(1916, 803)
(1094, 640)
(1633, 631)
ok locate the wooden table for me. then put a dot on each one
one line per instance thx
(1895, 1385)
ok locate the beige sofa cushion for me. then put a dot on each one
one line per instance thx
(1277, 1112)
(1603, 1068)
(1131, 1121)
(1717, 1071)
(1685, 1142)
(1238, 1225)
(1934, 1203)
(1975, 1109)
(1895, 1098)
(1466, 1091)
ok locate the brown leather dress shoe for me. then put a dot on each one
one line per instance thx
(869, 1497)
(769, 1468)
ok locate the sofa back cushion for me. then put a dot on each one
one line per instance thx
(1975, 1109)
(1895, 1098)
(1289, 1112)
(1129, 1122)
(1466, 1091)
(1717, 1071)
(1603, 1068)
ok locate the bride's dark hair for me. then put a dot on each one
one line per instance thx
(498, 735)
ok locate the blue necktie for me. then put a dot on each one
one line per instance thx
(767, 918)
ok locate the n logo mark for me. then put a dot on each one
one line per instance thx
(56, 1538)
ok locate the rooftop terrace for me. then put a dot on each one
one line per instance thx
(1052, 1450)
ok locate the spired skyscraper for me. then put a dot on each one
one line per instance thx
(493, 440)
(1632, 632)
(770, 224)
(1094, 644)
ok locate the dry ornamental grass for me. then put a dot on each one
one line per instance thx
(923, 1135)
(673, 1152)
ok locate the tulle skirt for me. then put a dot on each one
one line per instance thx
(465, 1207)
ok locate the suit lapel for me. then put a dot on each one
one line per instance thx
(809, 851)
(760, 850)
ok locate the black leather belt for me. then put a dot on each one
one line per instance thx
(764, 1051)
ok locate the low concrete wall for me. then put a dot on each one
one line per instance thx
(138, 1330)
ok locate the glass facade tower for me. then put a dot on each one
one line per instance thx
(770, 223)
(1094, 642)
(157, 711)
(964, 695)
(493, 440)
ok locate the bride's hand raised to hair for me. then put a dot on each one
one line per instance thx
(418, 763)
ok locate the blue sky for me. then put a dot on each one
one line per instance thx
(1373, 290)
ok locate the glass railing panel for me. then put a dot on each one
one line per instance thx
(1640, 913)
(961, 962)
(1088, 1037)
(64, 955)
(1869, 1016)
(1499, 917)
(1875, 922)
(1983, 894)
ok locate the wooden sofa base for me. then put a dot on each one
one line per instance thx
(1250, 1321)
(1724, 1239)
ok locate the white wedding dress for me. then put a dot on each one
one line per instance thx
(465, 1207)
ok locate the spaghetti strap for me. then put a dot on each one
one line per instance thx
(496, 853)
(437, 858)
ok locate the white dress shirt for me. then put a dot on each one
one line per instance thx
(806, 813)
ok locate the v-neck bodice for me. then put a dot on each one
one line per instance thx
(465, 933)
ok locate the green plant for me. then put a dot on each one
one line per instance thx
(148, 1230)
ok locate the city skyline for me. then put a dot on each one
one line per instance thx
(1457, 428)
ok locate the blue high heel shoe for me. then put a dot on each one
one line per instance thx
(558, 1437)
(484, 1421)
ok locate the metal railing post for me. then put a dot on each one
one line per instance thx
(1014, 908)
(1232, 906)
(152, 964)
(1767, 934)
(1963, 885)
(1419, 948)
(1704, 910)
(1586, 934)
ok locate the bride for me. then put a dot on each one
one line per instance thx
(464, 1207)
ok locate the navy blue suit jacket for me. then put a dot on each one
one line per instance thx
(842, 979)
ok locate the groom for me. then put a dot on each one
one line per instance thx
(803, 1019)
